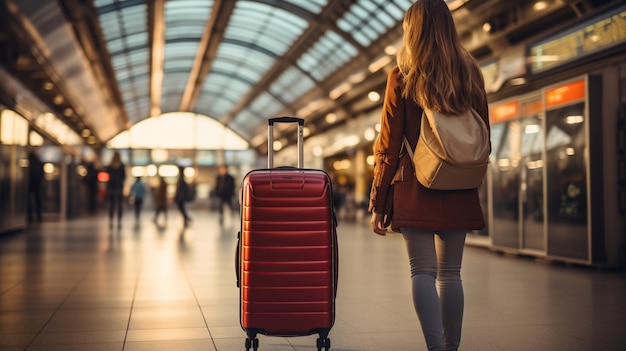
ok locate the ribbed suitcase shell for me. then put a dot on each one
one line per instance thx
(287, 256)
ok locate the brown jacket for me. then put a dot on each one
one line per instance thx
(414, 205)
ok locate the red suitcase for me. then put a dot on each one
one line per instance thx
(287, 251)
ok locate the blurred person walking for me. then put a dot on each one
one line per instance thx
(160, 200)
(91, 182)
(35, 180)
(182, 194)
(115, 188)
(224, 190)
(434, 71)
(137, 195)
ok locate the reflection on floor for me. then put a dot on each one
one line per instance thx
(77, 285)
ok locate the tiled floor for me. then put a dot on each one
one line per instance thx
(77, 285)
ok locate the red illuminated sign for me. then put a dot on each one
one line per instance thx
(504, 112)
(532, 108)
(565, 94)
(103, 177)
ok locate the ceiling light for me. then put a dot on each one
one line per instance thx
(318, 151)
(540, 5)
(58, 100)
(68, 112)
(369, 134)
(357, 77)
(48, 86)
(48, 168)
(151, 170)
(534, 164)
(342, 164)
(373, 96)
(379, 64)
(189, 172)
(159, 155)
(138, 171)
(340, 90)
(168, 171)
(85, 133)
(487, 27)
(331, 118)
(81, 170)
(574, 119)
(35, 139)
(278, 145)
(531, 129)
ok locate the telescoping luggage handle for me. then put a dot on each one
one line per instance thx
(270, 138)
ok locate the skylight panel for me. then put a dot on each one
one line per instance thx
(180, 50)
(221, 92)
(265, 104)
(189, 31)
(325, 56)
(291, 85)
(367, 20)
(314, 6)
(138, 56)
(100, 3)
(181, 9)
(116, 46)
(241, 122)
(124, 26)
(255, 22)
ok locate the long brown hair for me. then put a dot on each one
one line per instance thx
(438, 72)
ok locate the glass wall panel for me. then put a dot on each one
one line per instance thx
(567, 181)
(532, 208)
(505, 179)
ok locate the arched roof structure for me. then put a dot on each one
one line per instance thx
(239, 62)
(106, 65)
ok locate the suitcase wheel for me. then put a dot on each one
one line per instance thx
(254, 343)
(323, 343)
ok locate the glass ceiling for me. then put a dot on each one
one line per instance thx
(256, 40)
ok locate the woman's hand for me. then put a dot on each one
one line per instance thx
(378, 224)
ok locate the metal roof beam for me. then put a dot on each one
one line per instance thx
(211, 38)
(313, 33)
(156, 25)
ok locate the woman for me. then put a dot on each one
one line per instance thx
(433, 71)
(115, 188)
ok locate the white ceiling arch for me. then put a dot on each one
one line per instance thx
(179, 130)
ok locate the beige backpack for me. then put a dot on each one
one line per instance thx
(452, 151)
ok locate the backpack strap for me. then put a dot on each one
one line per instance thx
(406, 144)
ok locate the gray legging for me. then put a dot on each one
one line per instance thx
(437, 258)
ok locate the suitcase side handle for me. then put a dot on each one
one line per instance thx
(270, 138)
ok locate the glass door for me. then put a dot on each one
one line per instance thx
(505, 175)
(566, 171)
(531, 191)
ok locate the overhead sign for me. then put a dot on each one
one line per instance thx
(565, 94)
(503, 112)
(591, 36)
